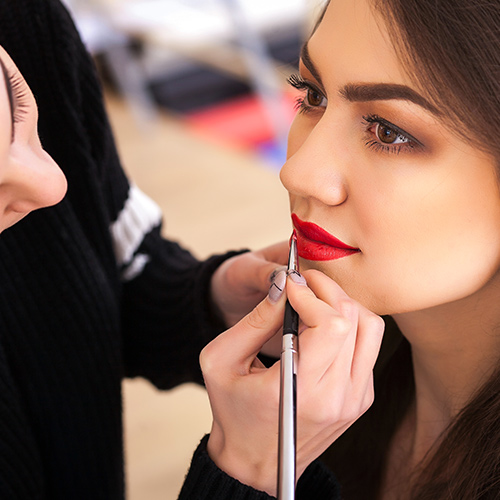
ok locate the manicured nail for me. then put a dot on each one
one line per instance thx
(277, 286)
(296, 277)
(275, 272)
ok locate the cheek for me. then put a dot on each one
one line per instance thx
(299, 130)
(288, 175)
(421, 247)
(437, 250)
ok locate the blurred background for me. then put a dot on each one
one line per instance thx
(197, 96)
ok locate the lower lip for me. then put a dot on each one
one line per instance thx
(315, 250)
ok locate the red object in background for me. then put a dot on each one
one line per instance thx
(241, 122)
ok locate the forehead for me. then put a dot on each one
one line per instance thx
(351, 44)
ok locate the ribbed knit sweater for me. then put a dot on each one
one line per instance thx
(90, 292)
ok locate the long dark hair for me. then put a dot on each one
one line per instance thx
(451, 51)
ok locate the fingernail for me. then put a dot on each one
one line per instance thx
(275, 273)
(296, 277)
(277, 286)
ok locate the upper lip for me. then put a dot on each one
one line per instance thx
(313, 232)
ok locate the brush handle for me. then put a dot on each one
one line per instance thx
(288, 418)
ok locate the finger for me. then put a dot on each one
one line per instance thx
(370, 327)
(324, 337)
(303, 299)
(277, 253)
(263, 274)
(359, 381)
(350, 310)
(368, 342)
(237, 347)
(271, 259)
(325, 288)
(328, 349)
(257, 268)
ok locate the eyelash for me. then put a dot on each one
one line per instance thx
(297, 82)
(410, 144)
(20, 97)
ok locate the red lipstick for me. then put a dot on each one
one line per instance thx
(314, 243)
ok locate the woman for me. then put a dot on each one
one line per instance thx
(90, 291)
(392, 172)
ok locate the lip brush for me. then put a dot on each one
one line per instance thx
(288, 392)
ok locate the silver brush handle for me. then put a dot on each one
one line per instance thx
(288, 419)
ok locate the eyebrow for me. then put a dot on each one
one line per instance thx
(367, 92)
(10, 92)
(384, 92)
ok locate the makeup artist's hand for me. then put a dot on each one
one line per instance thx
(338, 345)
(241, 282)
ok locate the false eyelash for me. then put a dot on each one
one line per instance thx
(297, 82)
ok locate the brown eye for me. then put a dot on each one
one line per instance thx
(386, 134)
(314, 98)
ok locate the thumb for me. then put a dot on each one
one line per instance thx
(277, 253)
(271, 260)
(238, 347)
(266, 273)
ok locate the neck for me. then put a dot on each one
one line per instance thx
(455, 348)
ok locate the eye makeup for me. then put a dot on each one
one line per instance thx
(383, 135)
(313, 98)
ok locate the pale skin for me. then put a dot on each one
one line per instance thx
(424, 210)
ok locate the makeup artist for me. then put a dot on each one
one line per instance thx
(90, 291)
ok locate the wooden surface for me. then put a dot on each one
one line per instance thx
(213, 199)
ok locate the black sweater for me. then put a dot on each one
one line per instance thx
(89, 291)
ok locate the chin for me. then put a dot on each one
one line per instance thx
(382, 304)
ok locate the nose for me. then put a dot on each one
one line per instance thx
(30, 180)
(316, 163)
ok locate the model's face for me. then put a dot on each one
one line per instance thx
(29, 178)
(371, 164)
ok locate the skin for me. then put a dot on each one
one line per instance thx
(29, 177)
(426, 219)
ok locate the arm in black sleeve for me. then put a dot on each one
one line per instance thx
(167, 318)
(205, 481)
(162, 290)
